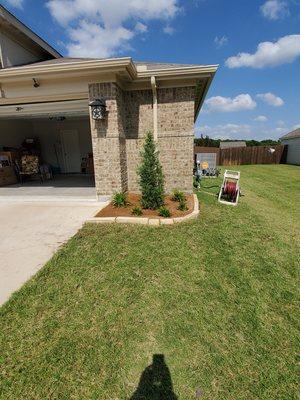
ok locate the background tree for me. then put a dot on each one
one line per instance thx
(151, 176)
(208, 142)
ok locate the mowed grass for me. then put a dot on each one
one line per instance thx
(218, 297)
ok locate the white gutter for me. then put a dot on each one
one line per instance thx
(154, 92)
(41, 68)
(175, 71)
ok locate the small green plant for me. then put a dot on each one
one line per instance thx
(178, 196)
(164, 212)
(137, 211)
(151, 176)
(182, 206)
(119, 199)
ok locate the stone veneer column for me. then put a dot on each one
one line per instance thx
(108, 139)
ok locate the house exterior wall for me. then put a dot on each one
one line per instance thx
(293, 152)
(118, 140)
(176, 136)
(14, 54)
(108, 139)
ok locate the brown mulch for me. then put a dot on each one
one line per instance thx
(134, 200)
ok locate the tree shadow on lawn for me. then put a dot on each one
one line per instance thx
(155, 382)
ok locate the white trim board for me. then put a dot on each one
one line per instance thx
(76, 107)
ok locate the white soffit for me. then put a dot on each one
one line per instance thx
(48, 110)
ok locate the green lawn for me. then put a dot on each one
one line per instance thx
(218, 297)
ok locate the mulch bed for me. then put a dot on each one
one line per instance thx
(134, 200)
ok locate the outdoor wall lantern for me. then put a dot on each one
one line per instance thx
(98, 108)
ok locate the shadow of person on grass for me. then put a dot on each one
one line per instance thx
(155, 382)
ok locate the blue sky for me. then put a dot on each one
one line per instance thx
(254, 94)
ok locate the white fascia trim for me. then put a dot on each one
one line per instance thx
(49, 108)
(125, 62)
(195, 70)
(70, 67)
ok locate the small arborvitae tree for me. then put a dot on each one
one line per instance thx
(151, 176)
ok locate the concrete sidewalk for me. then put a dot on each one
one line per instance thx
(31, 233)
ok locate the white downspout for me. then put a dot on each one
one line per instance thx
(155, 124)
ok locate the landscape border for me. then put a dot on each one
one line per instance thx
(147, 221)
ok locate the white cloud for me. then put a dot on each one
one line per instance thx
(274, 9)
(98, 28)
(269, 54)
(220, 41)
(225, 131)
(271, 99)
(280, 130)
(142, 28)
(261, 118)
(169, 30)
(243, 131)
(85, 40)
(280, 123)
(228, 104)
(16, 3)
(113, 12)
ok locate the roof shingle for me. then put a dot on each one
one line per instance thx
(147, 65)
(291, 135)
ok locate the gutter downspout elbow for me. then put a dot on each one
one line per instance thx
(155, 120)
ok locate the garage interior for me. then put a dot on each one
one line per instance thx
(59, 137)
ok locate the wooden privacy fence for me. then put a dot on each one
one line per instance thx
(246, 155)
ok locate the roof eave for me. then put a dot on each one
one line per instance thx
(29, 70)
(288, 138)
(163, 72)
(203, 93)
(14, 21)
(291, 135)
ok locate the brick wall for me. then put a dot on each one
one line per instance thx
(175, 135)
(108, 138)
(118, 140)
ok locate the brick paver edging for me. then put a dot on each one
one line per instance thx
(148, 221)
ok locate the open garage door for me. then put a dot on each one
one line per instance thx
(58, 134)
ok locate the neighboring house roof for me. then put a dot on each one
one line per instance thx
(291, 135)
(229, 145)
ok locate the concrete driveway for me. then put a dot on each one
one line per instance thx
(31, 233)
